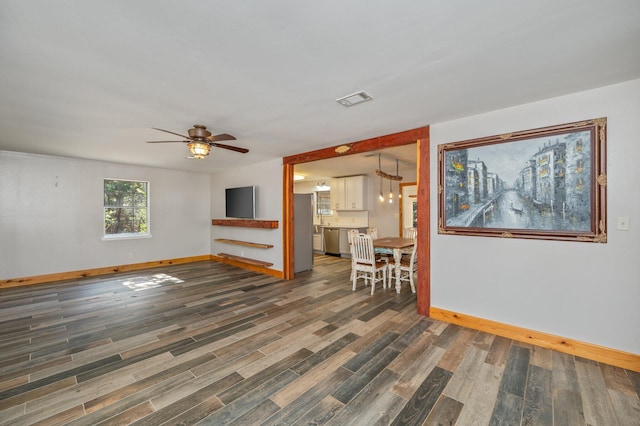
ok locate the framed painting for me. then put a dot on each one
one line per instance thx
(547, 183)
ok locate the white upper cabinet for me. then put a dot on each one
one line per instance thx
(337, 194)
(355, 189)
(349, 193)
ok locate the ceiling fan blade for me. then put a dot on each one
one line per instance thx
(173, 133)
(168, 141)
(221, 137)
(232, 148)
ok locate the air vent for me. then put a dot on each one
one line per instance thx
(354, 99)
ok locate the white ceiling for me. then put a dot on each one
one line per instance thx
(363, 163)
(90, 78)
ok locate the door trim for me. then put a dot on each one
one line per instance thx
(420, 136)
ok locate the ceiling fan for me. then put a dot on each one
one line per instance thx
(200, 141)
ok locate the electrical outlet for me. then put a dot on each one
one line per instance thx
(623, 223)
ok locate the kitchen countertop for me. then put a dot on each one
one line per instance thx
(340, 226)
(318, 229)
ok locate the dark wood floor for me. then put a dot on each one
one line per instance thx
(208, 343)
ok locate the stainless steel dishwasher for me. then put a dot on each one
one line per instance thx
(332, 241)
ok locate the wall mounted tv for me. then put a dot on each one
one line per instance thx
(241, 202)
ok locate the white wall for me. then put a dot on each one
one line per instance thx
(51, 215)
(267, 178)
(584, 291)
(382, 215)
(304, 187)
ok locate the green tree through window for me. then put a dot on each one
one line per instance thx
(126, 207)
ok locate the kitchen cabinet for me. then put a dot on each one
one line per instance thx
(337, 194)
(317, 243)
(355, 192)
(349, 193)
(345, 249)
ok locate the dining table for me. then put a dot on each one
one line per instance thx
(398, 245)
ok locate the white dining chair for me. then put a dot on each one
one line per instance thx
(350, 234)
(373, 232)
(382, 253)
(408, 268)
(364, 263)
(409, 233)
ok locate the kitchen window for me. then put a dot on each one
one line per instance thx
(323, 203)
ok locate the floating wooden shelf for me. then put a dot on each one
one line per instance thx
(245, 259)
(246, 223)
(244, 243)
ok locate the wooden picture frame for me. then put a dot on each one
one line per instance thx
(547, 183)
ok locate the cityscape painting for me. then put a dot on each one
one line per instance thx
(547, 183)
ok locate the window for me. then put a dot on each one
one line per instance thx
(126, 208)
(323, 201)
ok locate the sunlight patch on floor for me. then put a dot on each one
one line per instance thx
(145, 282)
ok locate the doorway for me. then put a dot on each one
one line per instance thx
(420, 136)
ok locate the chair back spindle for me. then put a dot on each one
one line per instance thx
(409, 233)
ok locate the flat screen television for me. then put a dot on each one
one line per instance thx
(241, 202)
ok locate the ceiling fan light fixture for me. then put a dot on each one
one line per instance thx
(200, 141)
(198, 150)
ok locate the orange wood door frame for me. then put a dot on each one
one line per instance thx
(420, 136)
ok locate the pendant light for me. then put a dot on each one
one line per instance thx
(399, 192)
(390, 189)
(380, 197)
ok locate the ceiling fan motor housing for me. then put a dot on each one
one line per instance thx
(199, 132)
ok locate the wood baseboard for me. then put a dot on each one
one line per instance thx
(61, 276)
(249, 266)
(590, 351)
(71, 275)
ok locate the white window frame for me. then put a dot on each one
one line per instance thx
(129, 235)
(319, 210)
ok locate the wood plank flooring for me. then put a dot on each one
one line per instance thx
(210, 344)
